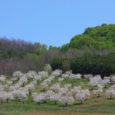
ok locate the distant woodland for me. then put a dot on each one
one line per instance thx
(90, 52)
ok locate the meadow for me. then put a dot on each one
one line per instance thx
(95, 106)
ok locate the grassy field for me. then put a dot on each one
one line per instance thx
(90, 106)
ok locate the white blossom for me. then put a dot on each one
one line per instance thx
(81, 96)
(17, 74)
(113, 79)
(48, 68)
(66, 99)
(31, 74)
(60, 79)
(110, 93)
(55, 97)
(56, 73)
(55, 87)
(98, 92)
(43, 74)
(88, 76)
(2, 77)
(75, 76)
(39, 97)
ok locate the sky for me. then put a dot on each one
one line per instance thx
(52, 22)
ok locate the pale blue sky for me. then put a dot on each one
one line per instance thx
(53, 22)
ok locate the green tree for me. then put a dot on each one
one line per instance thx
(66, 65)
(40, 48)
(82, 42)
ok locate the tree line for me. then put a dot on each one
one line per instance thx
(87, 64)
(91, 52)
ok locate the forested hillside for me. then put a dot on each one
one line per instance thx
(91, 52)
(99, 37)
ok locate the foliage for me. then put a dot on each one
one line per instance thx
(88, 63)
(99, 37)
(98, 41)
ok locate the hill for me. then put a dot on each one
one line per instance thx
(99, 37)
(91, 52)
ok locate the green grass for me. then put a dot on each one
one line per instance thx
(54, 81)
(38, 87)
(29, 81)
(76, 82)
(93, 105)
